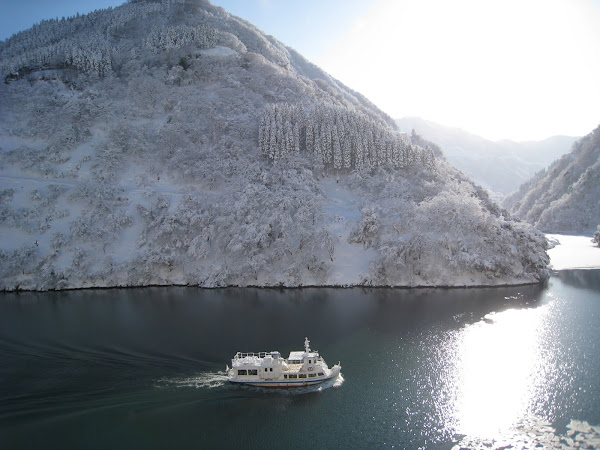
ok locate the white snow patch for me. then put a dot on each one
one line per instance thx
(350, 261)
(218, 51)
(13, 239)
(573, 252)
(9, 143)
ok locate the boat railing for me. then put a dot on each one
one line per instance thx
(241, 355)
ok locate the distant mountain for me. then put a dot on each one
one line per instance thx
(168, 142)
(565, 198)
(500, 166)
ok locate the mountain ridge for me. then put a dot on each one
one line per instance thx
(563, 198)
(500, 166)
(168, 142)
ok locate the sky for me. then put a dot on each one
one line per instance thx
(502, 69)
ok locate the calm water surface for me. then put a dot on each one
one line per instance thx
(144, 368)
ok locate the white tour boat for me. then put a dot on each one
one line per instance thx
(269, 369)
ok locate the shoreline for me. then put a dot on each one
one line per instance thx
(285, 288)
(571, 252)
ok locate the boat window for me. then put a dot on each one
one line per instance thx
(270, 369)
(301, 375)
(321, 374)
(252, 371)
(242, 372)
(265, 369)
(285, 376)
(310, 361)
(312, 375)
(293, 376)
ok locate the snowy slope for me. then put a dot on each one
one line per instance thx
(350, 260)
(168, 142)
(564, 197)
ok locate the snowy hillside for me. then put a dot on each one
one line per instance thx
(499, 166)
(168, 142)
(564, 197)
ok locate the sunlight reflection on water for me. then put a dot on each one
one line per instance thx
(498, 366)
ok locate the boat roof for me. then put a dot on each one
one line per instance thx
(296, 355)
(256, 358)
(301, 355)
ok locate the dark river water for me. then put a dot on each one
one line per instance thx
(430, 368)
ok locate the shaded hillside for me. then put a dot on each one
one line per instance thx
(565, 197)
(168, 142)
(500, 166)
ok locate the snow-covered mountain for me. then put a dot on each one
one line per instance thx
(499, 166)
(565, 197)
(168, 142)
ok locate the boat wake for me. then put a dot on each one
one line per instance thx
(208, 380)
(338, 381)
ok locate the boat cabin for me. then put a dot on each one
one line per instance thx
(270, 369)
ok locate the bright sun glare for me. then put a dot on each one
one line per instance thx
(503, 69)
(498, 366)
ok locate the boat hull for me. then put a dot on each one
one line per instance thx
(283, 384)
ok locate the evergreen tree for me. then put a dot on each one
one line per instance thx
(310, 143)
(336, 148)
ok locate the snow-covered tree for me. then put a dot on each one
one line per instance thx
(343, 138)
(138, 129)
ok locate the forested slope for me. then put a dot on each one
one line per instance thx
(565, 197)
(168, 142)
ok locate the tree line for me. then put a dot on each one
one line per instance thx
(337, 137)
(90, 43)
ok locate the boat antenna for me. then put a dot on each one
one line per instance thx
(306, 345)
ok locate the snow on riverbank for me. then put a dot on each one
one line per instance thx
(573, 252)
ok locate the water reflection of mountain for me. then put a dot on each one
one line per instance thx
(587, 279)
(407, 309)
